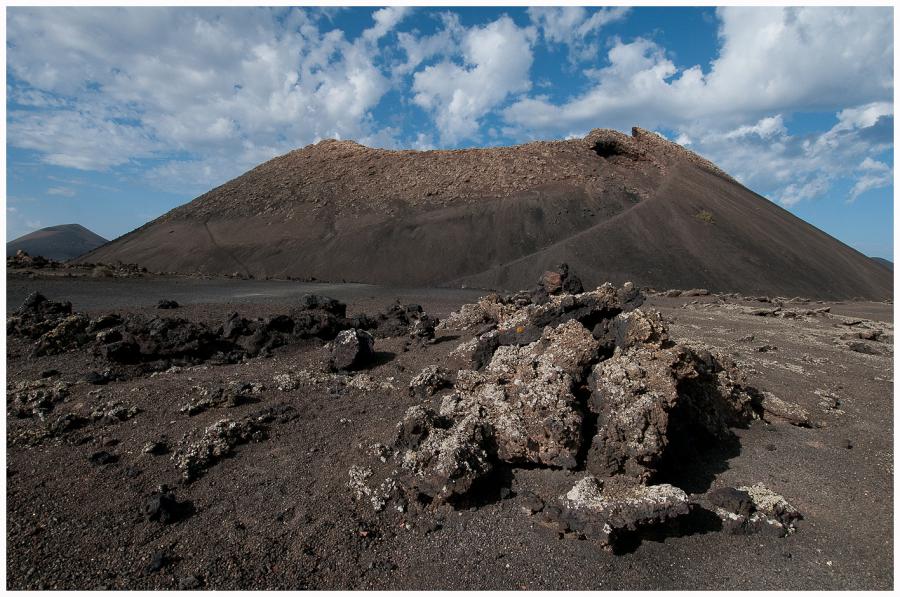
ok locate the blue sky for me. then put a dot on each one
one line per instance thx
(115, 116)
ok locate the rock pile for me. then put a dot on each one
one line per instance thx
(35, 398)
(200, 450)
(580, 381)
(22, 260)
(228, 396)
(216, 442)
(158, 343)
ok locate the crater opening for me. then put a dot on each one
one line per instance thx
(607, 148)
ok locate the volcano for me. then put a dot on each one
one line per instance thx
(57, 242)
(614, 207)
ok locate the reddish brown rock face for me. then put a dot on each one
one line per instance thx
(552, 282)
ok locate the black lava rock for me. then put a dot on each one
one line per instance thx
(166, 509)
(733, 500)
(158, 561)
(352, 349)
(102, 458)
(97, 379)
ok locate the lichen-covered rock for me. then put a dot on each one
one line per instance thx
(602, 514)
(351, 349)
(633, 394)
(569, 346)
(142, 339)
(37, 315)
(228, 396)
(402, 320)
(52, 324)
(465, 350)
(362, 490)
(315, 302)
(754, 509)
(520, 319)
(526, 396)
(36, 398)
(532, 421)
(216, 442)
(774, 506)
(69, 333)
(776, 409)
(422, 328)
(519, 325)
(634, 328)
(23, 260)
(636, 393)
(414, 427)
(732, 500)
(65, 423)
(431, 380)
(590, 308)
(446, 461)
(469, 317)
(523, 401)
(113, 412)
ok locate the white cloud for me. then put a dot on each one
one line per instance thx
(209, 93)
(875, 175)
(228, 85)
(863, 116)
(419, 48)
(574, 26)
(61, 191)
(734, 111)
(797, 192)
(81, 140)
(496, 63)
(19, 224)
(749, 78)
(793, 168)
(386, 19)
(770, 126)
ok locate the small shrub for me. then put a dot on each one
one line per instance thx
(705, 216)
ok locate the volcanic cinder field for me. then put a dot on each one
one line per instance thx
(589, 364)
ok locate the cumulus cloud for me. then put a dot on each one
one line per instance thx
(230, 85)
(79, 139)
(419, 48)
(793, 168)
(496, 60)
(750, 76)
(733, 111)
(574, 26)
(386, 19)
(771, 126)
(201, 95)
(874, 175)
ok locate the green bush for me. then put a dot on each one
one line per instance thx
(705, 216)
